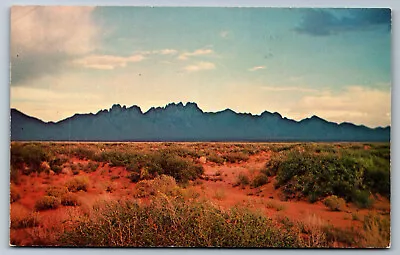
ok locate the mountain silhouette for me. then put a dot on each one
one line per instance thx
(179, 122)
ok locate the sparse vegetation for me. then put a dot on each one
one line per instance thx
(170, 222)
(348, 173)
(335, 203)
(70, 199)
(275, 205)
(260, 180)
(235, 157)
(77, 183)
(22, 218)
(14, 194)
(242, 180)
(47, 203)
(169, 201)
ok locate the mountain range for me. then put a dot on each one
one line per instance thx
(179, 122)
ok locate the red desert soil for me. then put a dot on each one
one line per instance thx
(221, 192)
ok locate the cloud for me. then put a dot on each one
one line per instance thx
(107, 62)
(319, 22)
(284, 89)
(224, 34)
(199, 52)
(257, 68)
(356, 104)
(200, 66)
(45, 38)
(168, 52)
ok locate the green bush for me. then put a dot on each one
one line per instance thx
(235, 157)
(91, 167)
(317, 175)
(55, 164)
(47, 203)
(259, 180)
(169, 164)
(84, 153)
(167, 222)
(335, 203)
(30, 155)
(215, 158)
(242, 180)
(361, 198)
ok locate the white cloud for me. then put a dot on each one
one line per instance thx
(200, 66)
(44, 38)
(168, 52)
(224, 34)
(284, 89)
(356, 104)
(198, 52)
(107, 62)
(257, 68)
(65, 29)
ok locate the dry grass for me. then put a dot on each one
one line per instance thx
(21, 217)
(220, 194)
(275, 205)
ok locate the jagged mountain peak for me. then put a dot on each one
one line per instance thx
(187, 122)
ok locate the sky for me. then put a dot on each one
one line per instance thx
(333, 63)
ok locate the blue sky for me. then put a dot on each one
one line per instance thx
(334, 63)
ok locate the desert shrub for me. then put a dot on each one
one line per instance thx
(282, 147)
(219, 194)
(173, 222)
(14, 194)
(77, 183)
(115, 177)
(377, 231)
(348, 237)
(134, 176)
(56, 163)
(118, 158)
(56, 191)
(242, 179)
(161, 184)
(73, 166)
(83, 152)
(259, 180)
(23, 219)
(70, 199)
(91, 167)
(273, 164)
(303, 173)
(215, 158)
(144, 188)
(181, 152)
(235, 157)
(274, 205)
(361, 198)
(47, 203)
(169, 164)
(335, 203)
(30, 155)
(15, 175)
